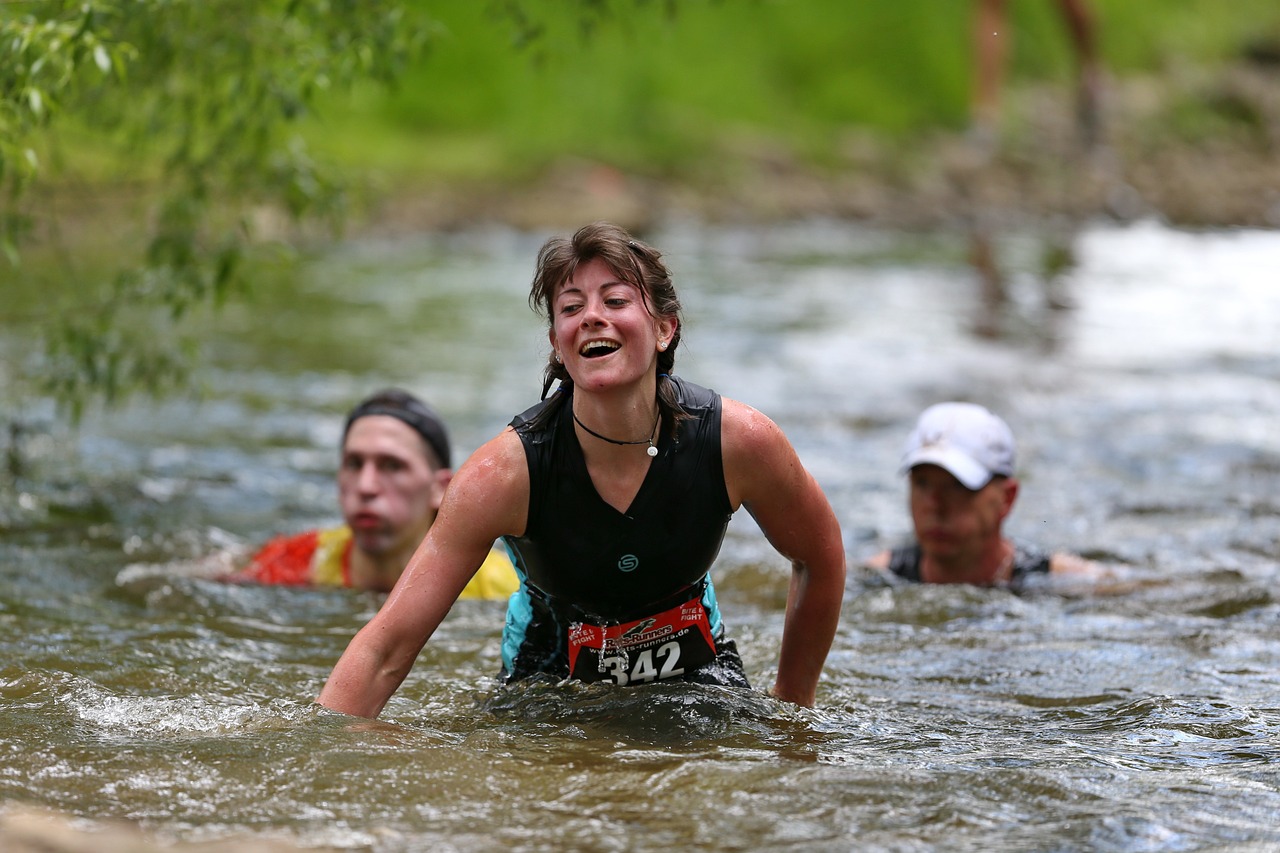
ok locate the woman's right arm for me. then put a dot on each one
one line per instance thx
(488, 498)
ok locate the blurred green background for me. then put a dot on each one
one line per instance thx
(169, 180)
(675, 88)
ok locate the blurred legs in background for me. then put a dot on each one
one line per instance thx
(990, 41)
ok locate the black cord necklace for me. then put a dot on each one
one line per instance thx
(652, 451)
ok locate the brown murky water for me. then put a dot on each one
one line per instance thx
(970, 719)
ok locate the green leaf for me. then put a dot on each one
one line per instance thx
(200, 130)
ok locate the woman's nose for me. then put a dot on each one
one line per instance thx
(592, 313)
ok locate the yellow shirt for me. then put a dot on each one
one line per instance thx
(323, 558)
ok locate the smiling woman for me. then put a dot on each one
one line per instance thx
(613, 543)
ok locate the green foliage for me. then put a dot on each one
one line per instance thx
(1153, 35)
(1216, 115)
(665, 88)
(41, 61)
(676, 88)
(192, 101)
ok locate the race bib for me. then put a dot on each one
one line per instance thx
(665, 645)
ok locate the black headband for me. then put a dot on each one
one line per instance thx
(411, 411)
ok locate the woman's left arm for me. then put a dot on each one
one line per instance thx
(764, 474)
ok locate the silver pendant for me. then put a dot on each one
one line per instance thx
(652, 451)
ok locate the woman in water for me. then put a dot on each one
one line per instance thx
(613, 496)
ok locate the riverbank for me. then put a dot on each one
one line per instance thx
(1194, 148)
(31, 830)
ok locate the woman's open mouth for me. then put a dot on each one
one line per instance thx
(595, 349)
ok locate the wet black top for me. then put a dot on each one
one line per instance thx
(580, 550)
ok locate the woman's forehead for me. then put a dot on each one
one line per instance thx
(595, 270)
(593, 275)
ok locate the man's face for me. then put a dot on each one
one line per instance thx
(387, 488)
(952, 521)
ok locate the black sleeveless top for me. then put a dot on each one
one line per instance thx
(579, 551)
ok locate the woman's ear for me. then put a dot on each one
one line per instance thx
(665, 328)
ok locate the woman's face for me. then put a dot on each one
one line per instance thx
(602, 329)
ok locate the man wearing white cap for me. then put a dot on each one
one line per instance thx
(959, 461)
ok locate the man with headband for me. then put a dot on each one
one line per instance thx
(395, 465)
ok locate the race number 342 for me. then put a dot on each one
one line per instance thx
(647, 665)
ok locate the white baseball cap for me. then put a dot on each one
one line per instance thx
(965, 439)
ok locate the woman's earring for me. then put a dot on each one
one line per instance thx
(662, 345)
(556, 356)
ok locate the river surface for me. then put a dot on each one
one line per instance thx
(1147, 405)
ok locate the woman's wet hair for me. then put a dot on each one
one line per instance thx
(632, 261)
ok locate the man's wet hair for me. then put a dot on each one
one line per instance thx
(400, 404)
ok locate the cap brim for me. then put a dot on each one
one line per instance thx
(972, 475)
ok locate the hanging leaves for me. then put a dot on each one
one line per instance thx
(193, 101)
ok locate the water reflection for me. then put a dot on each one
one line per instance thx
(999, 302)
(948, 717)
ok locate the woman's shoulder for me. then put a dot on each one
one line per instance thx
(493, 484)
(505, 447)
(499, 460)
(747, 426)
(759, 462)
